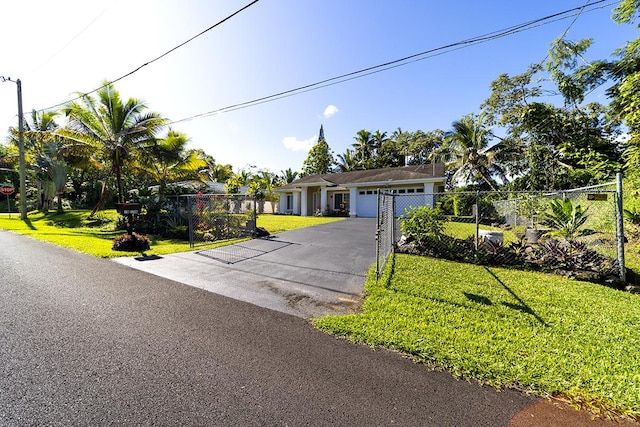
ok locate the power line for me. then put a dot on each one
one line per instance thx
(71, 40)
(157, 58)
(404, 61)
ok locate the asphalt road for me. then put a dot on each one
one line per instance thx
(86, 341)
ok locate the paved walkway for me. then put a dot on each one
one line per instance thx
(306, 272)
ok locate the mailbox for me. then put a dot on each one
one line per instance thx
(129, 208)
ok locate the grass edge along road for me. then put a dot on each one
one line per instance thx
(532, 331)
(73, 230)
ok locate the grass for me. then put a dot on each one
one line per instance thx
(279, 223)
(536, 332)
(73, 229)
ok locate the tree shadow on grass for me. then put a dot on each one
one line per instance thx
(522, 306)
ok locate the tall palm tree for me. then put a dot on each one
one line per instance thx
(111, 130)
(38, 136)
(363, 149)
(467, 151)
(378, 140)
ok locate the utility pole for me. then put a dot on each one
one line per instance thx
(23, 178)
(23, 173)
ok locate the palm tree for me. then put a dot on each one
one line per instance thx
(378, 140)
(288, 176)
(38, 137)
(467, 152)
(347, 161)
(111, 130)
(167, 160)
(217, 172)
(363, 149)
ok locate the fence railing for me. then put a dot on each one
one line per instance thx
(214, 217)
(580, 229)
(386, 230)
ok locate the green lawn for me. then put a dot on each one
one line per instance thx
(536, 332)
(72, 229)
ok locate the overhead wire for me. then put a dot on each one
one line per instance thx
(245, 7)
(405, 60)
(72, 39)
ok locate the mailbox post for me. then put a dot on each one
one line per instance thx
(130, 210)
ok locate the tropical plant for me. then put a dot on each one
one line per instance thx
(468, 154)
(110, 131)
(347, 161)
(167, 161)
(363, 149)
(564, 219)
(287, 176)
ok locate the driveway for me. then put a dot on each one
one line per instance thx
(306, 272)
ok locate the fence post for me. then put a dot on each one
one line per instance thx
(477, 215)
(378, 237)
(189, 209)
(620, 227)
(255, 215)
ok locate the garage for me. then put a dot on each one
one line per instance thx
(367, 204)
(340, 192)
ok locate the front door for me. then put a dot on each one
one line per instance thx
(316, 202)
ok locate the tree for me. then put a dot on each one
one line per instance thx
(287, 176)
(38, 139)
(419, 147)
(347, 161)
(217, 172)
(167, 160)
(320, 158)
(364, 149)
(469, 156)
(110, 131)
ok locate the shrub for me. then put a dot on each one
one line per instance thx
(564, 219)
(131, 243)
(423, 223)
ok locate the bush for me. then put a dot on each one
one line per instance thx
(131, 243)
(422, 224)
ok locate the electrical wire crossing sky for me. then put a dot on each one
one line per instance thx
(252, 82)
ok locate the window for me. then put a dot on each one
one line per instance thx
(341, 201)
(362, 193)
(401, 191)
(410, 190)
(289, 202)
(420, 190)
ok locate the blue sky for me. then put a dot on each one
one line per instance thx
(58, 48)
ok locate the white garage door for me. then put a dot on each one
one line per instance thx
(367, 204)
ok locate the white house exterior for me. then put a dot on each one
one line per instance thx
(355, 193)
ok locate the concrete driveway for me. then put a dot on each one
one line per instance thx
(305, 272)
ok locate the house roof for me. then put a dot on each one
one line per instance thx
(371, 176)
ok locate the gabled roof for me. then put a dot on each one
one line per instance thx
(386, 175)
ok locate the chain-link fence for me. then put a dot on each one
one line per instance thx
(386, 230)
(214, 217)
(575, 232)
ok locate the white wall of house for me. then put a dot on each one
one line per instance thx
(360, 201)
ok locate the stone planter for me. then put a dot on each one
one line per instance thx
(493, 236)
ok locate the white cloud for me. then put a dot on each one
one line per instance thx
(294, 144)
(330, 111)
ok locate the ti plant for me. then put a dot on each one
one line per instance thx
(564, 219)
